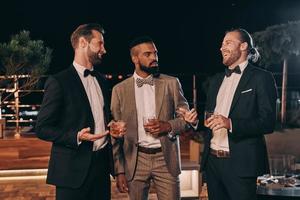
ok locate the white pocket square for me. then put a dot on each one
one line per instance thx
(245, 91)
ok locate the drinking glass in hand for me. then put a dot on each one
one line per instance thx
(147, 120)
(207, 114)
(118, 128)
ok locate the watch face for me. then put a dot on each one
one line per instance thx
(171, 136)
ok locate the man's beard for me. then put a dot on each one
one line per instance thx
(151, 70)
(94, 58)
(233, 57)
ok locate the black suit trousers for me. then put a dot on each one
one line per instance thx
(97, 183)
(224, 184)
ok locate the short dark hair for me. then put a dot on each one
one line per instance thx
(140, 40)
(253, 53)
(85, 30)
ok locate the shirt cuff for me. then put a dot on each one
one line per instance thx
(230, 130)
(171, 135)
(78, 140)
(195, 126)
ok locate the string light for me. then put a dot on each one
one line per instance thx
(120, 76)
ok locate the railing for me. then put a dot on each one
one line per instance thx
(21, 110)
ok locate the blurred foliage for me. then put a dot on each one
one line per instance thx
(278, 42)
(23, 56)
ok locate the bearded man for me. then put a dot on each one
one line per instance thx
(243, 99)
(74, 116)
(149, 151)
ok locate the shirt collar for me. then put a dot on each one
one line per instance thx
(79, 68)
(243, 65)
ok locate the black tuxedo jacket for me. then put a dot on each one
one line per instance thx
(253, 114)
(64, 112)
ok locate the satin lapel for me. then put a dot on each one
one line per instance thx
(243, 81)
(159, 94)
(81, 90)
(215, 90)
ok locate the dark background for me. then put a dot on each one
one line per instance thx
(188, 34)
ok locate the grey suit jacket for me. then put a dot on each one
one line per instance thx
(168, 96)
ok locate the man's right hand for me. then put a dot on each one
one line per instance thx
(85, 135)
(122, 183)
(190, 116)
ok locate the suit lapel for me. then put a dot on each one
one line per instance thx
(159, 94)
(131, 96)
(243, 81)
(81, 92)
(131, 106)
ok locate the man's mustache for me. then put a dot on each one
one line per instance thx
(154, 62)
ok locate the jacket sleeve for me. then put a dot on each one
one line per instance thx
(117, 143)
(178, 125)
(48, 126)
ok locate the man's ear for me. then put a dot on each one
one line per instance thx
(82, 42)
(134, 59)
(244, 46)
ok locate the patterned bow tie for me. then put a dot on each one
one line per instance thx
(228, 71)
(89, 72)
(141, 82)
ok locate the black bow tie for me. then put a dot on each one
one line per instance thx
(89, 72)
(228, 71)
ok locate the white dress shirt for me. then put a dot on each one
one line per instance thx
(223, 105)
(95, 96)
(145, 106)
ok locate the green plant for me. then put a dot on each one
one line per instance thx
(277, 44)
(22, 58)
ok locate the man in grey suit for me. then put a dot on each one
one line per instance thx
(141, 156)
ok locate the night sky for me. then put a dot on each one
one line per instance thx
(188, 34)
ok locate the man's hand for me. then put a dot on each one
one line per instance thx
(117, 128)
(122, 183)
(156, 127)
(217, 122)
(190, 116)
(85, 135)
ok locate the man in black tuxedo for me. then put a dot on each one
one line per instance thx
(73, 116)
(243, 100)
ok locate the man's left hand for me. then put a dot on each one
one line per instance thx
(218, 121)
(156, 127)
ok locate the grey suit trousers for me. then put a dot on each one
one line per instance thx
(153, 167)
